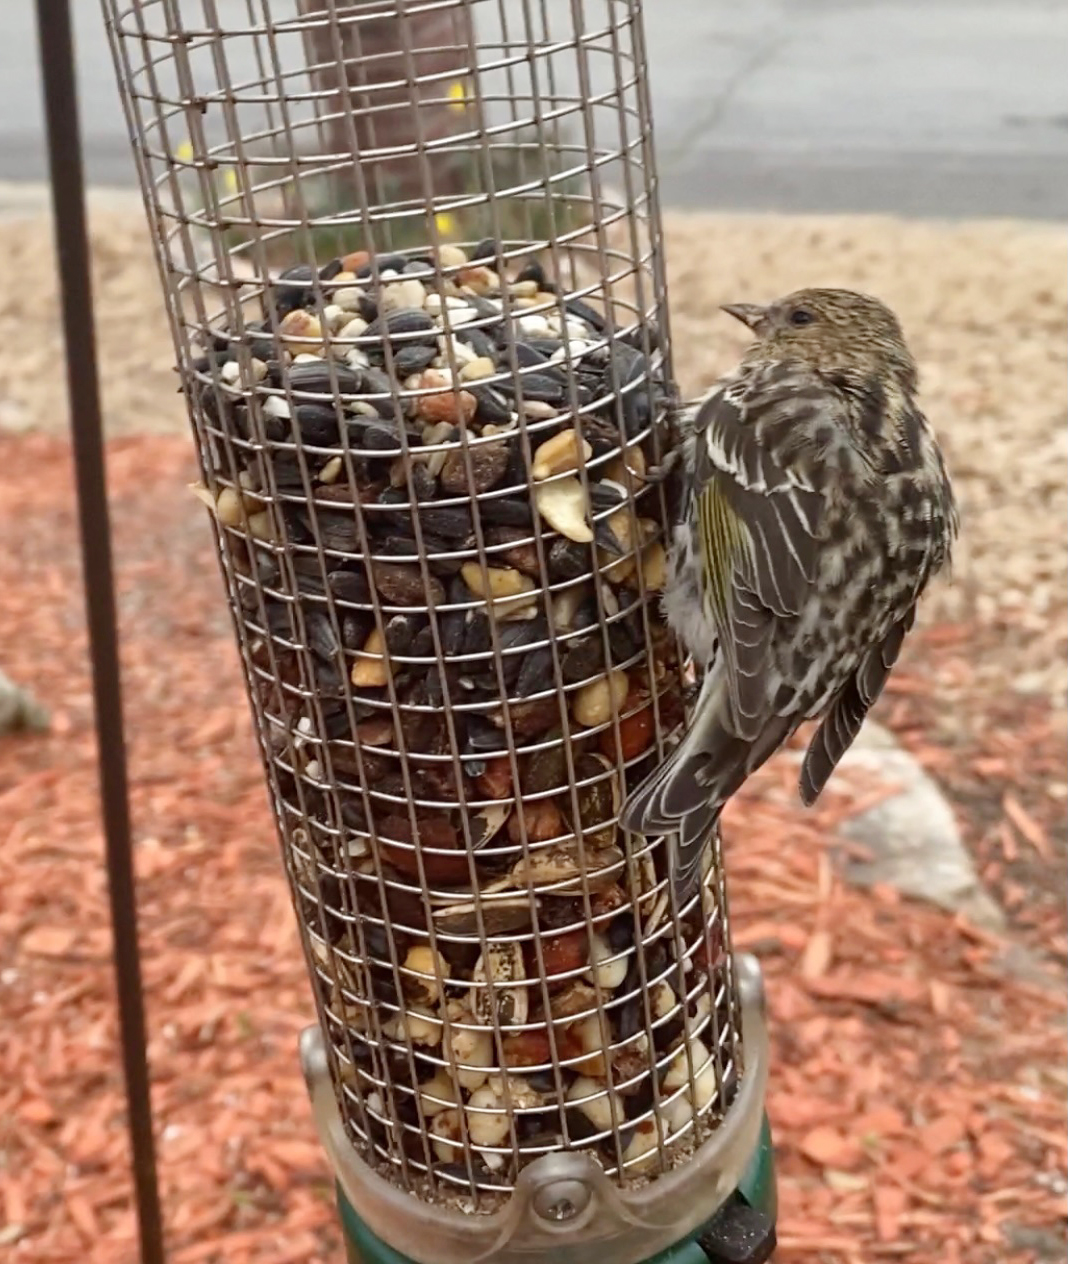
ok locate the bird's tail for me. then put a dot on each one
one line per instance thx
(686, 794)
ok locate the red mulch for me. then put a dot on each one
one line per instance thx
(917, 1095)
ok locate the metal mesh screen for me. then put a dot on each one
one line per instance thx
(412, 260)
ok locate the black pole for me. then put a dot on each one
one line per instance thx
(72, 248)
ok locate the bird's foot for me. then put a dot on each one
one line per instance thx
(656, 474)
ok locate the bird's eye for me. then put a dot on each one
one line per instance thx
(801, 316)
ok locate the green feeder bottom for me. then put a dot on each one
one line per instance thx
(741, 1232)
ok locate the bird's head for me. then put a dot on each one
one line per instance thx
(848, 338)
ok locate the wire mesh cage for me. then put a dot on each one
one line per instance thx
(411, 257)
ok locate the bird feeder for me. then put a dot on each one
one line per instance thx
(412, 262)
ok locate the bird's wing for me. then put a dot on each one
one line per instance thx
(758, 511)
(854, 700)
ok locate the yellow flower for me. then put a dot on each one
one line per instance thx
(458, 95)
(184, 153)
(445, 224)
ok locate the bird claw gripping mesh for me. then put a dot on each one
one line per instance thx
(412, 264)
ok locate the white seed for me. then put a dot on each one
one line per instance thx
(229, 508)
(439, 1093)
(203, 494)
(439, 432)
(564, 451)
(537, 410)
(471, 1052)
(480, 279)
(419, 1025)
(462, 352)
(565, 605)
(462, 315)
(299, 329)
(259, 369)
(481, 366)
(484, 1128)
(331, 471)
(502, 584)
(662, 1000)
(515, 1089)
(353, 328)
(577, 329)
(593, 1040)
(677, 1113)
(334, 316)
(230, 372)
(405, 293)
(436, 432)
(432, 969)
(606, 968)
(609, 600)
(641, 1153)
(277, 406)
(678, 1073)
(348, 298)
(306, 357)
(371, 668)
(260, 526)
(596, 702)
(598, 1110)
(524, 289)
(705, 1083)
(446, 1129)
(563, 506)
(450, 256)
(357, 848)
(534, 324)
(520, 609)
(654, 567)
(435, 302)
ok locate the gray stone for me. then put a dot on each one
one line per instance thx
(912, 837)
(19, 710)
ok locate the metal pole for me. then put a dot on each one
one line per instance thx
(72, 248)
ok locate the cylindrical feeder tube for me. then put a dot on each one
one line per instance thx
(426, 412)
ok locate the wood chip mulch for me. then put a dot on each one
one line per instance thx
(918, 1084)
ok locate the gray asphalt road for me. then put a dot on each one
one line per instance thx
(925, 107)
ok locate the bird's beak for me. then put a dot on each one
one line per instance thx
(750, 314)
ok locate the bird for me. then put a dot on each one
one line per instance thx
(812, 507)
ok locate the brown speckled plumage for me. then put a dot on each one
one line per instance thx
(816, 508)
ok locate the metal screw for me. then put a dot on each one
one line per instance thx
(562, 1200)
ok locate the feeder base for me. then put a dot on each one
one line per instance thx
(741, 1232)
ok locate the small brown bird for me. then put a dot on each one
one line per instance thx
(815, 508)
